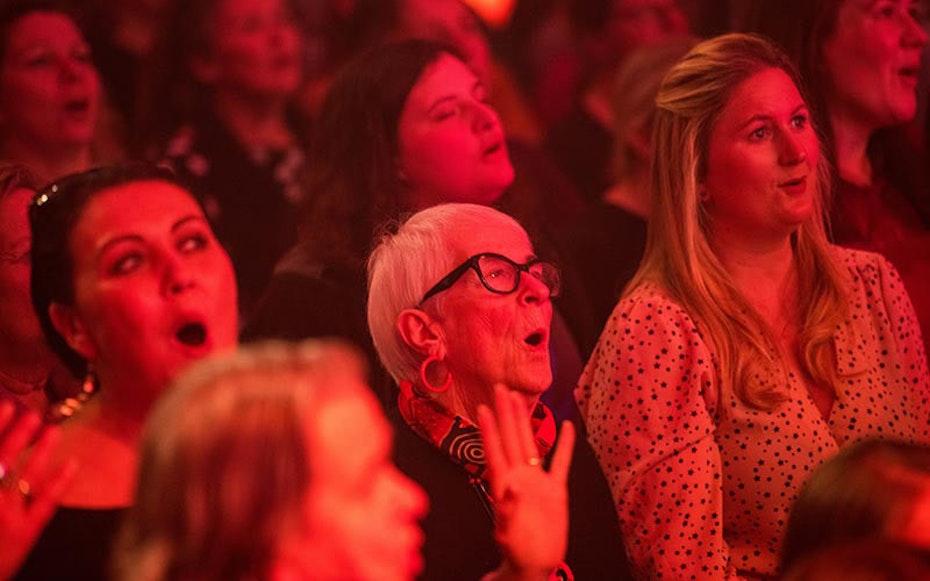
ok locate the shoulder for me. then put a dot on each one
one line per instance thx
(868, 273)
(651, 346)
(857, 261)
(648, 308)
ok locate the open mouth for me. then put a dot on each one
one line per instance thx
(534, 339)
(192, 334)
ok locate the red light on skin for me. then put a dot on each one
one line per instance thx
(495, 12)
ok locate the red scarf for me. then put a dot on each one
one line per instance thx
(458, 437)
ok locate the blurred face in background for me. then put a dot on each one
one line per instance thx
(361, 512)
(450, 141)
(49, 88)
(450, 22)
(638, 23)
(872, 60)
(915, 529)
(255, 49)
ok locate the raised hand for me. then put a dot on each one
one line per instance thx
(29, 485)
(530, 503)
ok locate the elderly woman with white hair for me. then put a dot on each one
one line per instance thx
(459, 308)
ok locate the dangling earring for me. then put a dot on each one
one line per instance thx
(71, 405)
(425, 381)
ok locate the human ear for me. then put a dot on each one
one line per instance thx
(421, 332)
(72, 328)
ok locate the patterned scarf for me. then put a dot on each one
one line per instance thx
(460, 440)
(458, 437)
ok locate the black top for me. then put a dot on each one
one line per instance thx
(304, 300)
(75, 545)
(250, 196)
(605, 248)
(459, 529)
(582, 147)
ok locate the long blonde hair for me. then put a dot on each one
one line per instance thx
(678, 256)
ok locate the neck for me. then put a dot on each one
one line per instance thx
(121, 423)
(254, 121)
(24, 372)
(457, 401)
(20, 384)
(766, 278)
(851, 148)
(49, 163)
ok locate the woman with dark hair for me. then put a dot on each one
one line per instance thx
(49, 90)
(871, 490)
(130, 286)
(746, 350)
(222, 80)
(861, 61)
(406, 126)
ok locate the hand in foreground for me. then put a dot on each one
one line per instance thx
(530, 504)
(29, 486)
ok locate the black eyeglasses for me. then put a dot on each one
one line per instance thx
(501, 275)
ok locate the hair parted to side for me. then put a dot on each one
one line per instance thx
(224, 465)
(53, 214)
(353, 171)
(407, 262)
(801, 27)
(864, 492)
(678, 255)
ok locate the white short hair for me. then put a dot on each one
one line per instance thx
(405, 264)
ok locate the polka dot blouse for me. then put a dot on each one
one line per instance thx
(702, 483)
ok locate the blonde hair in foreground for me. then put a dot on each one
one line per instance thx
(223, 471)
(678, 256)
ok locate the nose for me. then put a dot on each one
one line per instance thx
(533, 290)
(484, 116)
(177, 275)
(792, 150)
(71, 69)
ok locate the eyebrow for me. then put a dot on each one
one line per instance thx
(756, 118)
(136, 238)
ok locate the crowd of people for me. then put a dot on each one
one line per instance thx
(392, 289)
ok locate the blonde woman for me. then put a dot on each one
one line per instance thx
(747, 350)
(273, 463)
